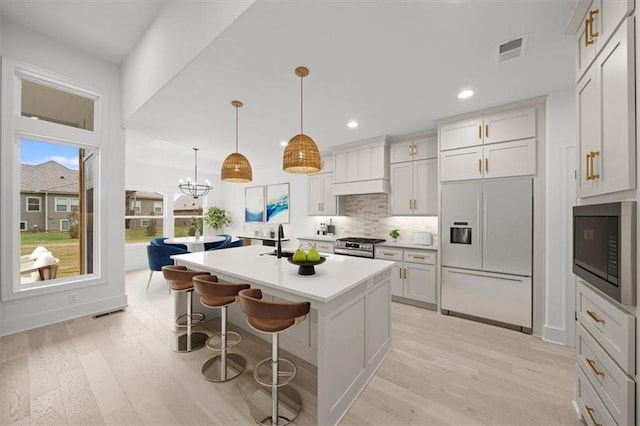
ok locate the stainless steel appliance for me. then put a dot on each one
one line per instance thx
(604, 248)
(487, 250)
(352, 246)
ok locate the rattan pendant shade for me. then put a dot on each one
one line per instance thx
(236, 167)
(301, 154)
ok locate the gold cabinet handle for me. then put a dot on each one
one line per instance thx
(486, 130)
(592, 15)
(418, 257)
(404, 274)
(590, 412)
(480, 165)
(595, 370)
(595, 317)
(486, 165)
(479, 131)
(387, 254)
(587, 30)
(594, 154)
(415, 204)
(415, 149)
(588, 165)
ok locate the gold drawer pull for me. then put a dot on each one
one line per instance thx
(595, 370)
(388, 254)
(590, 412)
(595, 317)
(418, 257)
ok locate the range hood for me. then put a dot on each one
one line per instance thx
(371, 186)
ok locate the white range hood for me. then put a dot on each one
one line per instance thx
(361, 168)
(373, 186)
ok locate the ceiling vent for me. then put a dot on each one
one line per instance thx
(512, 49)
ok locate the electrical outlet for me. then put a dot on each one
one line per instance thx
(73, 298)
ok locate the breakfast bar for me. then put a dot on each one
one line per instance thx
(348, 333)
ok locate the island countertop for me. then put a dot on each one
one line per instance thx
(337, 275)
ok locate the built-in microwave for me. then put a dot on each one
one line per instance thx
(604, 248)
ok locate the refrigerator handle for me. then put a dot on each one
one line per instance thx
(479, 217)
(485, 237)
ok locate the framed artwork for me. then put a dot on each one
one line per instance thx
(277, 206)
(254, 204)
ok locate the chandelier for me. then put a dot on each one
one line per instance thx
(195, 189)
(236, 167)
(301, 154)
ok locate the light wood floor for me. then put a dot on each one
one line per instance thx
(119, 369)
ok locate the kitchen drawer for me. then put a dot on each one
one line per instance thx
(323, 247)
(614, 387)
(388, 253)
(416, 256)
(589, 403)
(613, 328)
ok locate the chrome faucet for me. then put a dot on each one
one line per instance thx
(280, 237)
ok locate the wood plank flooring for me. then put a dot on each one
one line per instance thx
(119, 370)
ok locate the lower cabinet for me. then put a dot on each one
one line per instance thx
(413, 277)
(321, 245)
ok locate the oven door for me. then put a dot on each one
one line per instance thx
(353, 252)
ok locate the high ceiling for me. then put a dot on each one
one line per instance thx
(394, 66)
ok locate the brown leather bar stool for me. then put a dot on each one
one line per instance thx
(179, 279)
(213, 294)
(273, 318)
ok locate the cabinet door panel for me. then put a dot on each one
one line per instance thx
(585, 53)
(425, 187)
(396, 280)
(420, 282)
(609, 16)
(588, 113)
(510, 126)
(315, 194)
(510, 159)
(401, 190)
(461, 164)
(460, 134)
(353, 162)
(340, 169)
(401, 152)
(425, 148)
(328, 200)
(616, 163)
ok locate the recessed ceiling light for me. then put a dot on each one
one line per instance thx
(352, 124)
(284, 143)
(465, 94)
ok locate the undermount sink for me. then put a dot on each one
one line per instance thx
(274, 253)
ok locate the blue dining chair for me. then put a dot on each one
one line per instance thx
(230, 244)
(218, 244)
(159, 256)
(160, 241)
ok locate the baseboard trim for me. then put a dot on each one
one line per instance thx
(554, 335)
(41, 319)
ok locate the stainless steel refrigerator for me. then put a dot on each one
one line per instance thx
(487, 246)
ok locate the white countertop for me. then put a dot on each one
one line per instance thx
(334, 277)
(329, 238)
(260, 237)
(407, 244)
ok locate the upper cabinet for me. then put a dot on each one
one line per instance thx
(361, 168)
(414, 177)
(321, 202)
(597, 26)
(497, 145)
(606, 111)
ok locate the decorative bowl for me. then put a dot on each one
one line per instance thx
(307, 268)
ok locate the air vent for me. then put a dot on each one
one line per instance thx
(512, 49)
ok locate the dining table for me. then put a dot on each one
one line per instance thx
(195, 244)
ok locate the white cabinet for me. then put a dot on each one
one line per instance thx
(320, 201)
(414, 178)
(598, 25)
(413, 277)
(361, 168)
(502, 127)
(417, 149)
(605, 99)
(504, 159)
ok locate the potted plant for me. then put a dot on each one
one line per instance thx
(217, 218)
(394, 233)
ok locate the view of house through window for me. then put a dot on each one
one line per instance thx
(187, 215)
(56, 211)
(143, 217)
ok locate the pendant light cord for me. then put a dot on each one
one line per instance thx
(195, 150)
(301, 94)
(236, 129)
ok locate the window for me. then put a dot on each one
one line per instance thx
(33, 204)
(137, 206)
(74, 204)
(157, 207)
(143, 218)
(23, 225)
(64, 225)
(144, 222)
(187, 215)
(61, 204)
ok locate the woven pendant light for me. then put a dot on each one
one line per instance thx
(236, 168)
(301, 154)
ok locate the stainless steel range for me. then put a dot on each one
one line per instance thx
(361, 247)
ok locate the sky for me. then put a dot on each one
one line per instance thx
(35, 152)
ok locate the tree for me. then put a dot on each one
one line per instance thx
(74, 225)
(152, 226)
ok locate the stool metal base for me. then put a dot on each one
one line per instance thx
(223, 367)
(289, 405)
(263, 372)
(197, 318)
(198, 341)
(216, 343)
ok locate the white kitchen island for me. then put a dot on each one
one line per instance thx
(348, 330)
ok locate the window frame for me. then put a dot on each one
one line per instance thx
(156, 209)
(18, 127)
(61, 227)
(57, 205)
(25, 227)
(26, 207)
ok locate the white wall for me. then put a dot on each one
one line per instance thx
(166, 48)
(559, 326)
(29, 312)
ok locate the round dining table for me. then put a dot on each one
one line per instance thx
(195, 244)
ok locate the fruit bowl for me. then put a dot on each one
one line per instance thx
(306, 267)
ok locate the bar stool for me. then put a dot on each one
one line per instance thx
(179, 279)
(273, 318)
(213, 294)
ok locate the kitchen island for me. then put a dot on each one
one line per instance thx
(348, 331)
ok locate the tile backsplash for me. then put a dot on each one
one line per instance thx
(368, 215)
